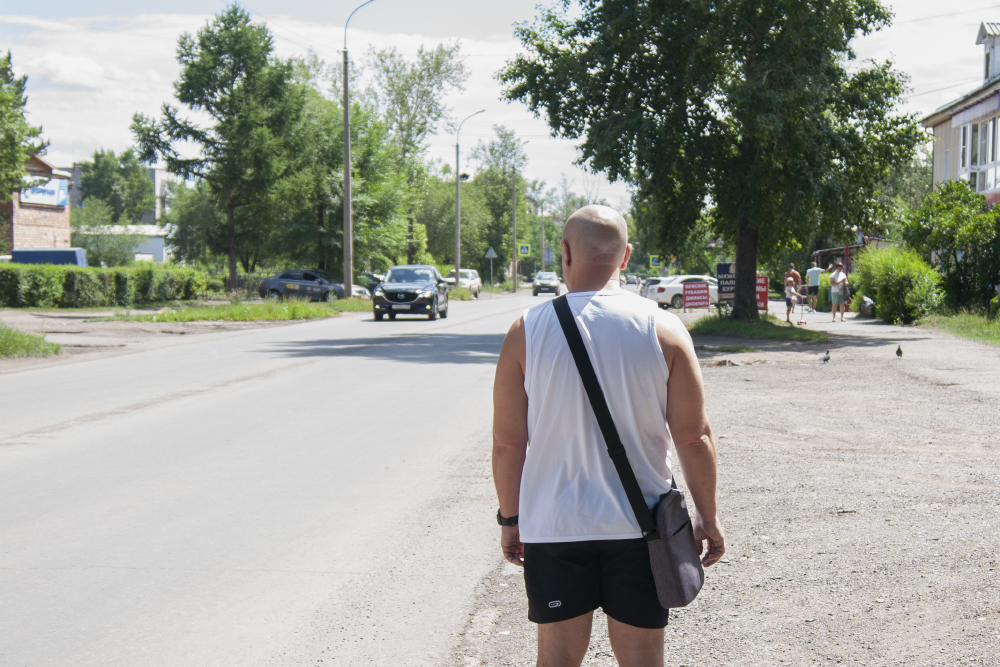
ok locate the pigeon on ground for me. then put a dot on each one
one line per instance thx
(826, 357)
(899, 351)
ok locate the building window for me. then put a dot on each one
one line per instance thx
(974, 145)
(992, 141)
(964, 161)
(984, 135)
(982, 181)
(991, 178)
(947, 155)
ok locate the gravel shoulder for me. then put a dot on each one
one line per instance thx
(860, 500)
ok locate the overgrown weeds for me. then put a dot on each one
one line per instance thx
(16, 344)
(238, 311)
(970, 325)
(460, 294)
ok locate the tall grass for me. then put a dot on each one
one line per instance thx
(16, 344)
(768, 326)
(237, 312)
(460, 294)
(973, 326)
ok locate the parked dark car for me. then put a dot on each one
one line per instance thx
(308, 284)
(412, 289)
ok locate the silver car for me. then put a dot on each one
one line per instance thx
(469, 280)
(545, 281)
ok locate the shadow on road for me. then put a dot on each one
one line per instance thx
(416, 348)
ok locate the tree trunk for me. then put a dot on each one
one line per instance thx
(320, 257)
(409, 246)
(745, 298)
(231, 228)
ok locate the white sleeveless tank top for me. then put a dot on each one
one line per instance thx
(570, 491)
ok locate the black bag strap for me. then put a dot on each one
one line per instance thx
(600, 406)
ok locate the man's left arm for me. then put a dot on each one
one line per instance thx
(510, 435)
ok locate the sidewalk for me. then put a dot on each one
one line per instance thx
(860, 499)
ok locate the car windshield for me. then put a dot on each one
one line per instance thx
(325, 275)
(407, 275)
(548, 275)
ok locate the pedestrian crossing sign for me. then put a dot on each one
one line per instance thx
(654, 262)
(524, 249)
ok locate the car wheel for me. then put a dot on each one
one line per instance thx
(274, 295)
(378, 316)
(433, 315)
(392, 316)
(534, 292)
(326, 297)
(677, 302)
(444, 313)
(476, 295)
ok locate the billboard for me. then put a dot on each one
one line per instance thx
(696, 295)
(51, 193)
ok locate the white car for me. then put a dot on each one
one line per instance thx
(671, 293)
(653, 282)
(469, 280)
(545, 281)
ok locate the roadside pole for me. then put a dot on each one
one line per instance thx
(513, 218)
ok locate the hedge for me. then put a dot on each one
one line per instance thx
(52, 286)
(903, 286)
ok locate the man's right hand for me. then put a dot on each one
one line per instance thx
(510, 543)
(711, 532)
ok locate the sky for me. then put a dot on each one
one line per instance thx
(91, 65)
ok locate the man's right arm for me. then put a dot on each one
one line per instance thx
(692, 434)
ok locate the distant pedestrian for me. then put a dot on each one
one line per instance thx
(565, 514)
(838, 291)
(812, 276)
(792, 297)
(792, 273)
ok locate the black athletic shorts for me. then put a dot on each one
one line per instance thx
(568, 579)
(814, 290)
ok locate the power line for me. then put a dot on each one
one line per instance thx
(938, 16)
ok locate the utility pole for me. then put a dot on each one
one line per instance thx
(458, 203)
(541, 215)
(348, 219)
(513, 217)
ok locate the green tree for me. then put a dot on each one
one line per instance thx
(757, 106)
(198, 225)
(93, 229)
(230, 75)
(409, 97)
(501, 161)
(120, 181)
(19, 139)
(955, 231)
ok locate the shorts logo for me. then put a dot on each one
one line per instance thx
(555, 603)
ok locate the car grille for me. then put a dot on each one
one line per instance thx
(400, 297)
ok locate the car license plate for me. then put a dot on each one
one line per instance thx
(400, 306)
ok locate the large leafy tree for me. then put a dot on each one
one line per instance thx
(121, 182)
(501, 161)
(757, 107)
(230, 75)
(19, 139)
(409, 97)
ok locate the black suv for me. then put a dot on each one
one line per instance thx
(412, 289)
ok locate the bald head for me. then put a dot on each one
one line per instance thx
(597, 236)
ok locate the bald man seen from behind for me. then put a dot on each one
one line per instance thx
(564, 514)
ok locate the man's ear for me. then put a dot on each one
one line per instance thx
(567, 255)
(628, 253)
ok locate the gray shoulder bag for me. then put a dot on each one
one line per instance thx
(673, 553)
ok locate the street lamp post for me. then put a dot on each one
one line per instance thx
(348, 219)
(458, 203)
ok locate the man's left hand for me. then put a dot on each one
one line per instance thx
(511, 545)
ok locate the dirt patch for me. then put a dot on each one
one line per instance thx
(860, 499)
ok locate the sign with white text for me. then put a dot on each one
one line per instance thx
(696, 295)
(52, 193)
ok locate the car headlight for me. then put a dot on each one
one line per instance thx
(428, 293)
(378, 291)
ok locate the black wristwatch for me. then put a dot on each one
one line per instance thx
(512, 521)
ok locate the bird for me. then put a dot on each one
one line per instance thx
(826, 357)
(899, 351)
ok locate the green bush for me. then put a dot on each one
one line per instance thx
(903, 286)
(823, 298)
(48, 286)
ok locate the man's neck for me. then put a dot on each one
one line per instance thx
(612, 285)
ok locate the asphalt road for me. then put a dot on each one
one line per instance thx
(317, 493)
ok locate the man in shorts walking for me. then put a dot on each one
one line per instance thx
(812, 276)
(838, 291)
(563, 509)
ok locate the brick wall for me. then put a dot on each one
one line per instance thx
(40, 226)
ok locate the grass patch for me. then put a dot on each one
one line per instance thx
(494, 289)
(737, 348)
(768, 326)
(267, 311)
(16, 344)
(352, 305)
(967, 325)
(460, 294)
